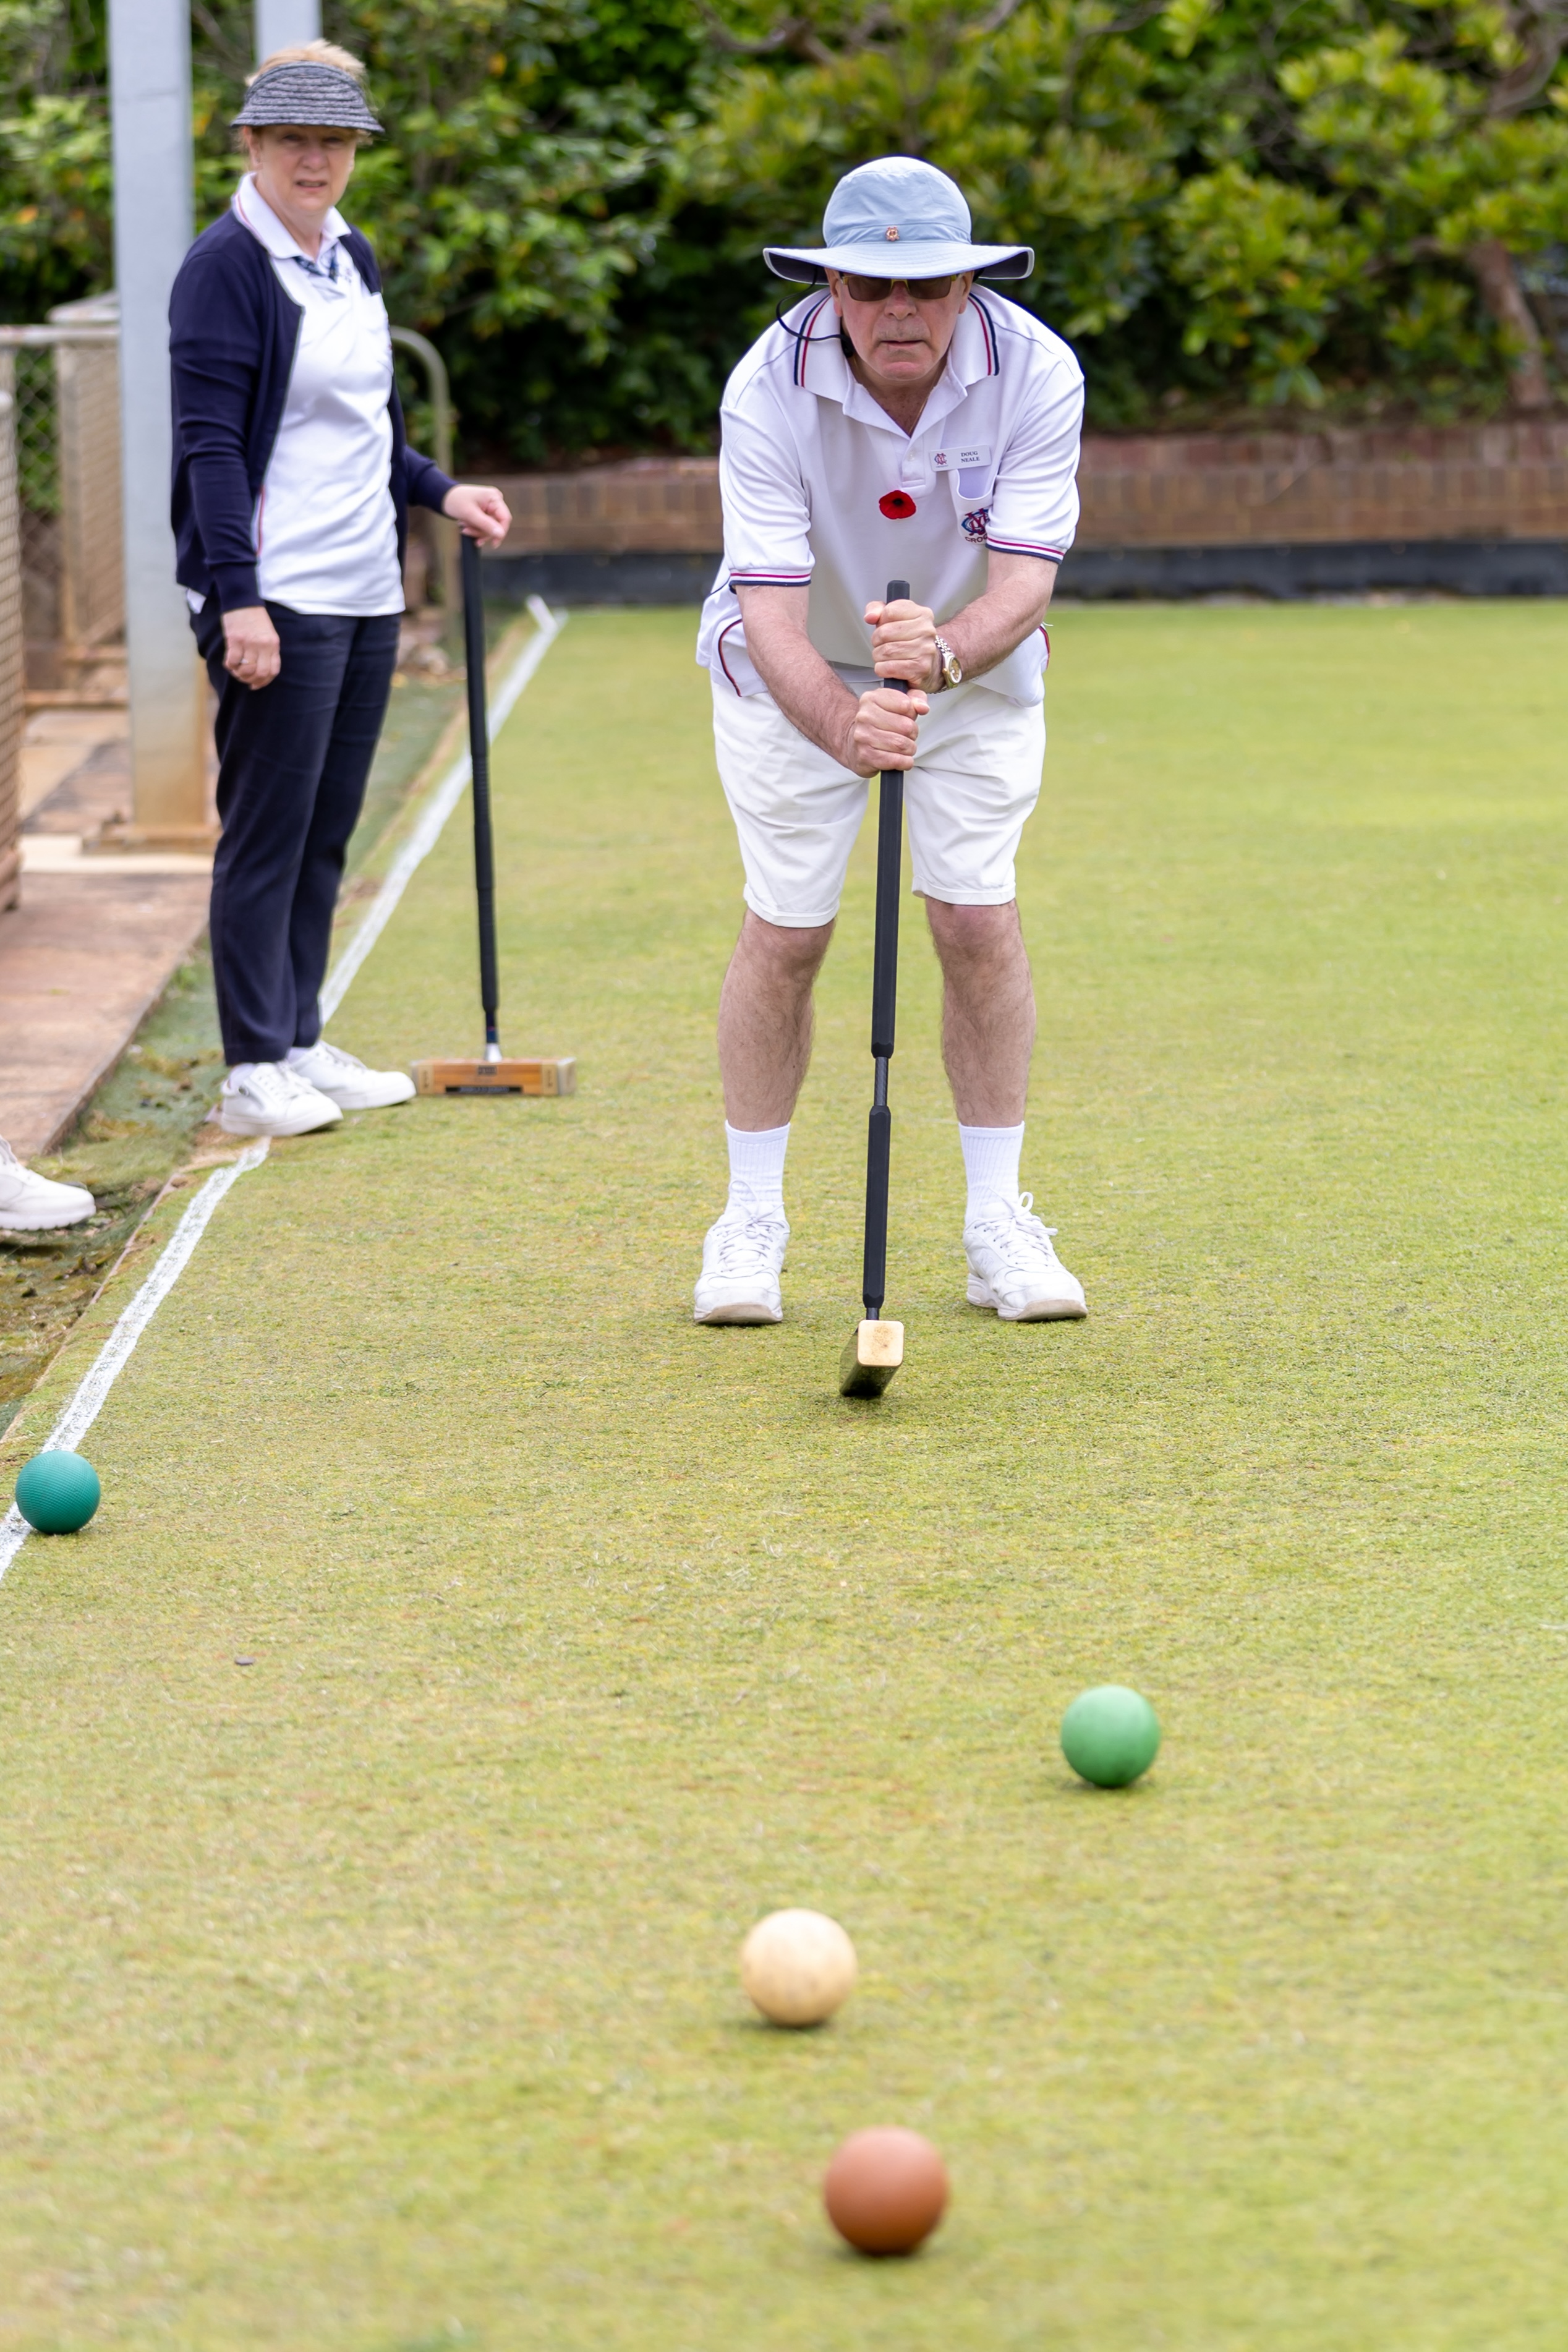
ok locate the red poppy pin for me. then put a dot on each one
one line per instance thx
(898, 505)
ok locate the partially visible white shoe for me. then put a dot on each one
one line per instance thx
(742, 1258)
(345, 1079)
(269, 1098)
(1013, 1267)
(31, 1203)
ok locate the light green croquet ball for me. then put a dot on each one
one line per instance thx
(1111, 1736)
(57, 1493)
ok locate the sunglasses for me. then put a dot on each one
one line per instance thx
(877, 289)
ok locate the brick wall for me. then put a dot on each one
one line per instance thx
(1223, 490)
(657, 506)
(1194, 490)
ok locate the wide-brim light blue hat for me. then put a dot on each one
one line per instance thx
(899, 217)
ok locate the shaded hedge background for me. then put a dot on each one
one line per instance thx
(1308, 207)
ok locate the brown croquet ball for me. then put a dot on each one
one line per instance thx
(885, 2190)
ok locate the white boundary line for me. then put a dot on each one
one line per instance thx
(436, 810)
(85, 1406)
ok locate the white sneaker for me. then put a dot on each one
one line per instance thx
(30, 1203)
(1014, 1268)
(345, 1079)
(742, 1261)
(269, 1098)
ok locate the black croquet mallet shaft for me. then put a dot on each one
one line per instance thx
(494, 1072)
(479, 756)
(884, 1020)
(877, 1350)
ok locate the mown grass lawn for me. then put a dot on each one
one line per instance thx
(381, 1994)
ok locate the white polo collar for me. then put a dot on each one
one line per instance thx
(822, 368)
(267, 228)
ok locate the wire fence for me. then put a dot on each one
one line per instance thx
(64, 380)
(30, 376)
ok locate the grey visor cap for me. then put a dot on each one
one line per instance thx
(808, 268)
(301, 91)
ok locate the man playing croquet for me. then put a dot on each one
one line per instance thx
(896, 425)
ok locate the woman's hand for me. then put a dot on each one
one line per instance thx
(484, 514)
(250, 645)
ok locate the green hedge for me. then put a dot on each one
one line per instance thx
(1322, 208)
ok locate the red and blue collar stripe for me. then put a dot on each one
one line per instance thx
(988, 332)
(803, 338)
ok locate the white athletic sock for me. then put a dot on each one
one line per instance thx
(756, 1166)
(240, 1071)
(991, 1156)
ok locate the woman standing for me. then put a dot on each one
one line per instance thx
(292, 490)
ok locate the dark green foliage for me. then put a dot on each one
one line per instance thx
(54, 154)
(1292, 207)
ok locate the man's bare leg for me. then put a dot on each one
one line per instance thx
(988, 1012)
(987, 1039)
(765, 1020)
(764, 1048)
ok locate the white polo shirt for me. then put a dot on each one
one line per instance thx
(821, 488)
(326, 529)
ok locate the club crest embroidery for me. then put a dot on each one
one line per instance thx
(973, 525)
(898, 505)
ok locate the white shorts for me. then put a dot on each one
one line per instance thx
(797, 812)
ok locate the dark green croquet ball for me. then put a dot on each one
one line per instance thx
(58, 1492)
(1111, 1736)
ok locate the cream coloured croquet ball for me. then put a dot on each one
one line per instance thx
(798, 1967)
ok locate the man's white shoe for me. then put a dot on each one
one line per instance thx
(1014, 1268)
(269, 1098)
(345, 1079)
(30, 1203)
(742, 1261)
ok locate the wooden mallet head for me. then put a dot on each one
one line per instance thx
(870, 1358)
(516, 1075)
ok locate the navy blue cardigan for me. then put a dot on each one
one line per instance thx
(233, 334)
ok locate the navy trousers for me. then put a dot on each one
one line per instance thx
(293, 759)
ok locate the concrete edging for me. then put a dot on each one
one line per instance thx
(1290, 570)
(1287, 569)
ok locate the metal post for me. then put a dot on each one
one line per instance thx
(280, 24)
(150, 106)
(11, 705)
(446, 532)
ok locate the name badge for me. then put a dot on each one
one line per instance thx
(977, 453)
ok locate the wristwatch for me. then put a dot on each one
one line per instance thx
(951, 667)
